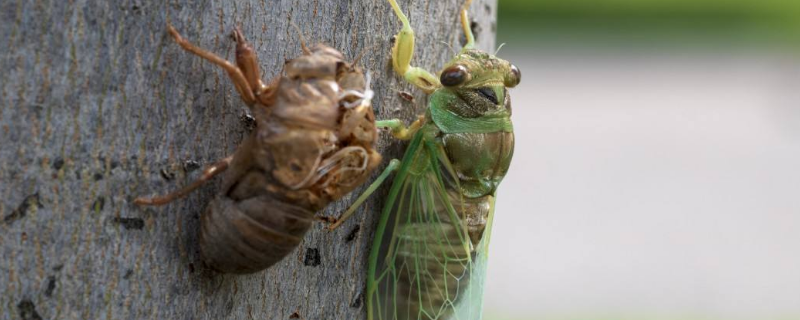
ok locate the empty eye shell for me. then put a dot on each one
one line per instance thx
(512, 80)
(454, 76)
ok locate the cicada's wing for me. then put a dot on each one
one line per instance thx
(472, 308)
(422, 262)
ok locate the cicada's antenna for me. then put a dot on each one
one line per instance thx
(498, 48)
(465, 25)
(302, 39)
(449, 46)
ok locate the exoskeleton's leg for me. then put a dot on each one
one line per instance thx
(399, 130)
(403, 50)
(209, 172)
(245, 76)
(393, 165)
(247, 60)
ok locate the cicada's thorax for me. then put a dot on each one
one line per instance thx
(478, 140)
(313, 144)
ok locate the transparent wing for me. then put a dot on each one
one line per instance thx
(473, 308)
(423, 264)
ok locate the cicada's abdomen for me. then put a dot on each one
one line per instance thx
(250, 235)
(438, 275)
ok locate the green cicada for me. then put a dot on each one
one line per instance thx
(428, 259)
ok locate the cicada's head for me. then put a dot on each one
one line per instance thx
(480, 80)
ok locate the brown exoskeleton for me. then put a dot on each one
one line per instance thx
(313, 143)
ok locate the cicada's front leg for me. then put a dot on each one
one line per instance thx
(403, 50)
(245, 73)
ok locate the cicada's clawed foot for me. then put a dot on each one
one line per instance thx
(403, 51)
(210, 172)
(399, 130)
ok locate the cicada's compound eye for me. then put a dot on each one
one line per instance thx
(454, 76)
(513, 78)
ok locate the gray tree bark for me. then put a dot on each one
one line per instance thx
(99, 106)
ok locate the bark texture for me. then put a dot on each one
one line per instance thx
(98, 105)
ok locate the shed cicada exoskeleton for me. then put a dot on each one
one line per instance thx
(313, 143)
(429, 255)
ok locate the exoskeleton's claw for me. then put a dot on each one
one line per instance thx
(247, 61)
(246, 91)
(403, 51)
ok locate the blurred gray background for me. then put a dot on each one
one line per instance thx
(656, 167)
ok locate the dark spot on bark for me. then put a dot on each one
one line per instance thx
(406, 96)
(494, 27)
(58, 267)
(27, 311)
(312, 258)
(191, 267)
(22, 210)
(294, 315)
(358, 300)
(128, 274)
(97, 176)
(51, 286)
(58, 163)
(78, 175)
(130, 223)
(353, 233)
(99, 204)
(488, 8)
(114, 164)
(393, 39)
(190, 165)
(167, 175)
(249, 121)
(23, 236)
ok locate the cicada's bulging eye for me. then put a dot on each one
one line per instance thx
(512, 79)
(454, 76)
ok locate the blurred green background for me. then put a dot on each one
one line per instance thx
(655, 171)
(649, 22)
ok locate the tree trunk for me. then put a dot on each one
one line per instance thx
(99, 106)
